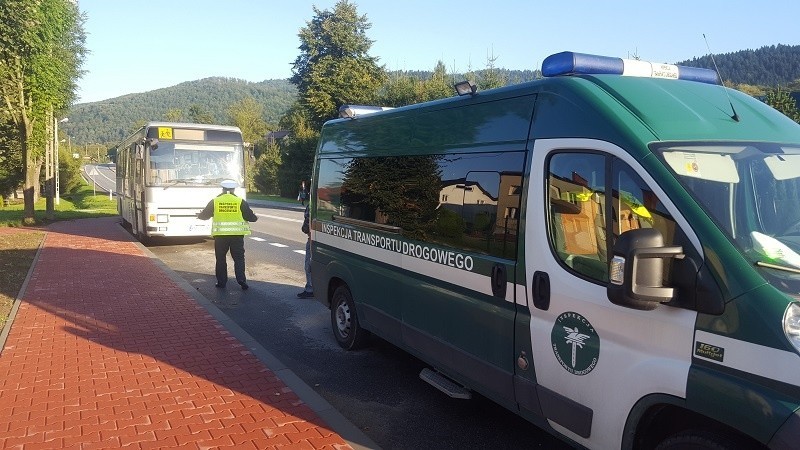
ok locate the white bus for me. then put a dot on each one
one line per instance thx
(167, 173)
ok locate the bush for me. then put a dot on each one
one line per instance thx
(264, 173)
(69, 172)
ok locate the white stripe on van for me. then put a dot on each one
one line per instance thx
(780, 365)
(470, 280)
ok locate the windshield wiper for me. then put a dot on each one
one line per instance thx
(777, 267)
(179, 180)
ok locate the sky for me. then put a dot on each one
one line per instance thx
(143, 45)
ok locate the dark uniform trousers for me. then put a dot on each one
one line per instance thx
(236, 246)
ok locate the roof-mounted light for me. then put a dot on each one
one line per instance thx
(571, 63)
(465, 87)
(353, 111)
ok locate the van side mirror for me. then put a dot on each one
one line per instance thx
(637, 268)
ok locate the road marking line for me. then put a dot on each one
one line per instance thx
(302, 252)
(258, 239)
(278, 245)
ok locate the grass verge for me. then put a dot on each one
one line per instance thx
(17, 250)
(81, 204)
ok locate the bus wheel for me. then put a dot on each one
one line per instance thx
(344, 320)
(702, 440)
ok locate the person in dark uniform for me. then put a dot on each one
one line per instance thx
(229, 226)
(308, 291)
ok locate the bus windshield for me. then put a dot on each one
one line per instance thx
(752, 191)
(173, 163)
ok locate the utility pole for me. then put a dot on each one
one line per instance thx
(48, 167)
(55, 135)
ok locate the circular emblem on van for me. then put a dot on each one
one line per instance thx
(575, 343)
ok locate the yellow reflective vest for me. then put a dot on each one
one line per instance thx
(228, 219)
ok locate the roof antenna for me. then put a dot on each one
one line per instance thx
(735, 116)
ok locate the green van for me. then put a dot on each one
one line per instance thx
(612, 252)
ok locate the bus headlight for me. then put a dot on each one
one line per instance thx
(162, 218)
(791, 324)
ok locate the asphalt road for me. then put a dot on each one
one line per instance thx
(102, 176)
(378, 389)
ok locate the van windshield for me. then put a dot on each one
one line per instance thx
(752, 191)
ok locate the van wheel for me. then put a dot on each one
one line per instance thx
(344, 320)
(701, 440)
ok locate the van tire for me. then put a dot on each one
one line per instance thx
(344, 320)
(702, 440)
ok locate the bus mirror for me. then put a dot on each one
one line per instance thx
(152, 143)
(637, 269)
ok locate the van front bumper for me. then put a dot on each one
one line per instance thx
(788, 436)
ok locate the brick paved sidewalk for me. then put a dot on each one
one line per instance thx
(107, 351)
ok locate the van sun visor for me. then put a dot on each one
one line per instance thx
(783, 167)
(705, 166)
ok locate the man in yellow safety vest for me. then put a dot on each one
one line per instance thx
(231, 215)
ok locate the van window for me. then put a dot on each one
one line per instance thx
(469, 201)
(578, 213)
(577, 191)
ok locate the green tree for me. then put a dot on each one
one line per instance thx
(173, 115)
(198, 114)
(248, 115)
(136, 125)
(491, 77)
(753, 91)
(404, 89)
(781, 100)
(10, 160)
(297, 150)
(265, 170)
(69, 171)
(440, 85)
(41, 52)
(399, 90)
(334, 67)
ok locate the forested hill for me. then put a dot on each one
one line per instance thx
(109, 121)
(772, 66)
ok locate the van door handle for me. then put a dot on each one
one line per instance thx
(540, 289)
(499, 280)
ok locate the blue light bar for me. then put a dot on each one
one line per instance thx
(571, 63)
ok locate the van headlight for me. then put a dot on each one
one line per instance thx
(791, 324)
